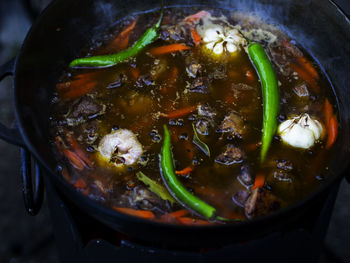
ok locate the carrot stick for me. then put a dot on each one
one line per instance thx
(328, 111)
(80, 184)
(306, 64)
(65, 175)
(74, 159)
(185, 171)
(79, 150)
(250, 76)
(122, 41)
(173, 75)
(171, 217)
(196, 37)
(259, 181)
(157, 51)
(192, 221)
(195, 17)
(77, 91)
(305, 75)
(135, 73)
(332, 131)
(179, 113)
(133, 212)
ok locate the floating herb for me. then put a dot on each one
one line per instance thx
(155, 187)
(199, 143)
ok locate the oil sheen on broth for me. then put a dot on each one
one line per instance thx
(211, 87)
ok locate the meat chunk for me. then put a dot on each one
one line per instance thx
(301, 91)
(172, 33)
(144, 81)
(231, 155)
(141, 198)
(85, 108)
(200, 85)
(206, 111)
(203, 126)
(245, 177)
(233, 124)
(240, 198)
(219, 72)
(119, 81)
(282, 176)
(120, 148)
(261, 202)
(284, 165)
(193, 68)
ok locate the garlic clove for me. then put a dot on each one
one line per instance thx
(212, 34)
(300, 132)
(218, 49)
(231, 47)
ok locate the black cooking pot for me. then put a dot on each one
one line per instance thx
(67, 26)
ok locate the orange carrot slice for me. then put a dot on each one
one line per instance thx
(74, 159)
(122, 41)
(185, 171)
(328, 111)
(135, 73)
(306, 64)
(80, 184)
(78, 90)
(305, 75)
(196, 37)
(259, 181)
(157, 51)
(179, 113)
(133, 212)
(192, 221)
(332, 131)
(79, 150)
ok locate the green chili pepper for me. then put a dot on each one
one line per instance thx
(270, 92)
(111, 60)
(174, 185)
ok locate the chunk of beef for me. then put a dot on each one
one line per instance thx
(141, 198)
(203, 126)
(206, 111)
(261, 202)
(85, 108)
(301, 91)
(219, 72)
(144, 81)
(240, 198)
(231, 155)
(193, 68)
(119, 81)
(284, 165)
(200, 85)
(233, 124)
(282, 176)
(245, 177)
(172, 33)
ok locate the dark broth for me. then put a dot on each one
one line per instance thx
(234, 87)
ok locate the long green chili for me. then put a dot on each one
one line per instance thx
(174, 185)
(270, 92)
(113, 59)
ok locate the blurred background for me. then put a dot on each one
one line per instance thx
(26, 239)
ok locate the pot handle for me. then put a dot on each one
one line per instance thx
(33, 196)
(10, 135)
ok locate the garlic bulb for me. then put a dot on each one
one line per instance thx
(300, 132)
(218, 39)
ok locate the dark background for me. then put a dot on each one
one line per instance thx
(30, 239)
